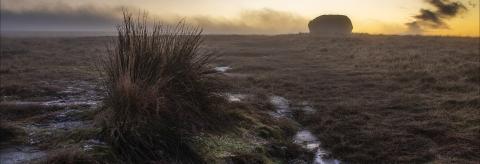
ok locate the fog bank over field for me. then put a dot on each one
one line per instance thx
(436, 17)
(63, 17)
(59, 17)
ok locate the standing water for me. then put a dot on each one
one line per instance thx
(222, 69)
(304, 137)
(82, 95)
(19, 154)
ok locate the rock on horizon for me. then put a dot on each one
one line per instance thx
(331, 25)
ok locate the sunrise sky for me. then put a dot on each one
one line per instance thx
(244, 17)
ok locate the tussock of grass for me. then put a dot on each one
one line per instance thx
(158, 91)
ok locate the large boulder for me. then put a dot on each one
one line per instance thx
(331, 25)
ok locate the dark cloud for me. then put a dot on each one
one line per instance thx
(447, 9)
(444, 9)
(427, 15)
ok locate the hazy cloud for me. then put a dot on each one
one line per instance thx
(263, 21)
(444, 9)
(62, 16)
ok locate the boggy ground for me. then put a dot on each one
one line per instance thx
(377, 99)
(51, 98)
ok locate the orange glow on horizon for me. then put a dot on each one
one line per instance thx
(277, 16)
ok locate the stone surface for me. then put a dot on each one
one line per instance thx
(331, 25)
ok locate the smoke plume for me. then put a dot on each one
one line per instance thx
(444, 9)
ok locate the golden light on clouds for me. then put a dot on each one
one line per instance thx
(245, 17)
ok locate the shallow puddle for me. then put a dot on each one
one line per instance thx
(235, 97)
(36, 134)
(81, 94)
(306, 139)
(68, 125)
(308, 110)
(91, 144)
(66, 103)
(320, 158)
(282, 107)
(54, 103)
(20, 154)
(222, 69)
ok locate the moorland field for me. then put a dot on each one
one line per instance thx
(375, 98)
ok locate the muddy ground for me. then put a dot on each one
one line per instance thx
(362, 99)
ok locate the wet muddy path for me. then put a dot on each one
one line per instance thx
(284, 109)
(304, 137)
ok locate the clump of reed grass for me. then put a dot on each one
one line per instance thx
(158, 91)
